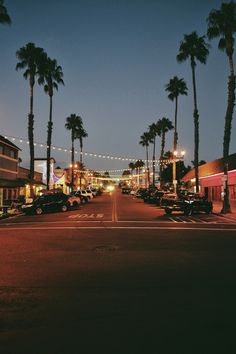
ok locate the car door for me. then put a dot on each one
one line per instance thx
(46, 203)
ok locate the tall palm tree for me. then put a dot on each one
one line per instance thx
(145, 140)
(4, 17)
(81, 134)
(138, 164)
(73, 123)
(30, 58)
(153, 131)
(51, 76)
(164, 125)
(132, 168)
(175, 88)
(222, 23)
(194, 48)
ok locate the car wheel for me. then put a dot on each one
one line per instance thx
(38, 211)
(168, 211)
(64, 208)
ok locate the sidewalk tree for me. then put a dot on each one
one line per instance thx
(154, 131)
(138, 165)
(50, 75)
(195, 49)
(145, 140)
(4, 16)
(222, 23)
(30, 58)
(81, 134)
(164, 126)
(175, 88)
(73, 123)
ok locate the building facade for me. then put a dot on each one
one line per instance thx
(14, 180)
(211, 179)
(9, 163)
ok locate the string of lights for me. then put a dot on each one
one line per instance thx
(91, 154)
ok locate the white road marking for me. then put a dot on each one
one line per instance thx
(107, 227)
(86, 216)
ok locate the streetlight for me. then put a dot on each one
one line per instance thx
(176, 157)
(72, 166)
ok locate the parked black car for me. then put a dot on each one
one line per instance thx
(188, 204)
(153, 197)
(47, 203)
(125, 190)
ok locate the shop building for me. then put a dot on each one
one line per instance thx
(211, 179)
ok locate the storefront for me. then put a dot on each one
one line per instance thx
(211, 179)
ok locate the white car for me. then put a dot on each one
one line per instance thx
(87, 194)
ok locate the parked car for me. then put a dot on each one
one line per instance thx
(167, 198)
(47, 203)
(188, 204)
(154, 197)
(83, 198)
(74, 200)
(141, 192)
(125, 190)
(87, 193)
(91, 192)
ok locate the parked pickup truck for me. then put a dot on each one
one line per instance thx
(188, 204)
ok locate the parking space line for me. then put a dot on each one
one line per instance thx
(172, 219)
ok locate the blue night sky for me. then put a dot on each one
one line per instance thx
(117, 57)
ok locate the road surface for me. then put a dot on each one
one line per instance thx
(117, 276)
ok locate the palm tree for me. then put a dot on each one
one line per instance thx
(81, 134)
(164, 125)
(175, 87)
(50, 76)
(30, 58)
(132, 168)
(194, 48)
(145, 140)
(222, 23)
(4, 17)
(153, 131)
(73, 123)
(138, 164)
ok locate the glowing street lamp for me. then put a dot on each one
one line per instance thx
(73, 166)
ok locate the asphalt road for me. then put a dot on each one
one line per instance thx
(117, 276)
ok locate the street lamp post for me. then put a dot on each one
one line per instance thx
(73, 166)
(176, 157)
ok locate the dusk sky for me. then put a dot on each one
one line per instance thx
(117, 57)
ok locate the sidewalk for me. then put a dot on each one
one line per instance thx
(217, 206)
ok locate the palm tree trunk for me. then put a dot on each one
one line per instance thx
(175, 147)
(49, 142)
(161, 157)
(81, 162)
(72, 160)
(227, 134)
(196, 130)
(31, 139)
(148, 175)
(153, 161)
